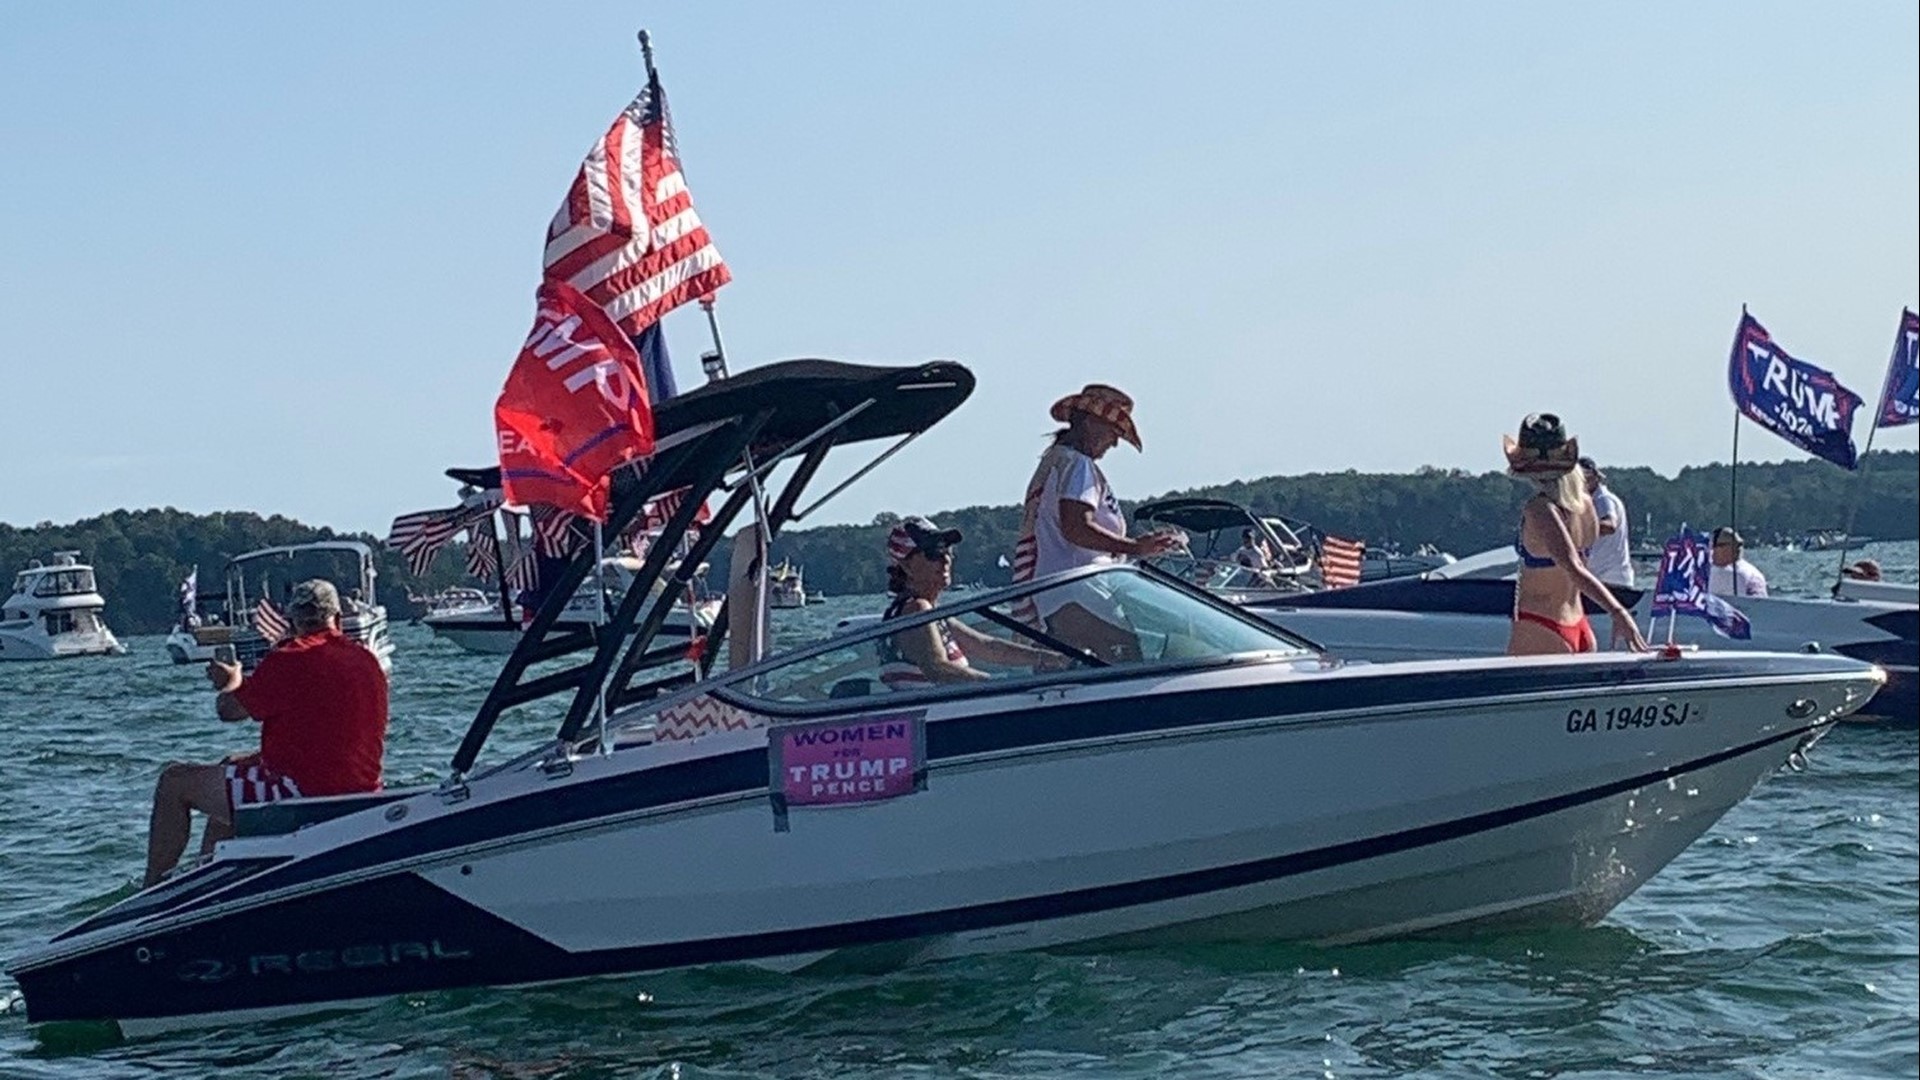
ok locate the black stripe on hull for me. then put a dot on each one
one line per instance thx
(745, 772)
(401, 934)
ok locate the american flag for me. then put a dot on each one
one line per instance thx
(627, 235)
(1340, 561)
(270, 622)
(420, 535)
(661, 507)
(483, 553)
(553, 533)
(524, 572)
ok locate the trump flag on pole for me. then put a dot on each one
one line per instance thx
(1795, 400)
(1900, 397)
(1681, 589)
(574, 407)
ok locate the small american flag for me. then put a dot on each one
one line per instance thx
(523, 572)
(654, 515)
(553, 533)
(627, 235)
(270, 622)
(420, 535)
(483, 553)
(1340, 561)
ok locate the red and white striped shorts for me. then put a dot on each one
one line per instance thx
(248, 785)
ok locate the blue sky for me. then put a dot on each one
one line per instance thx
(280, 257)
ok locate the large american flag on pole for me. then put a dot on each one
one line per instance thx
(627, 235)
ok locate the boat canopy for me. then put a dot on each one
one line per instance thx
(722, 439)
(1196, 515)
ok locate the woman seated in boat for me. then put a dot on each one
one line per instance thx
(1558, 524)
(919, 569)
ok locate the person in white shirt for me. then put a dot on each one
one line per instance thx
(1608, 559)
(1251, 553)
(1733, 575)
(1072, 519)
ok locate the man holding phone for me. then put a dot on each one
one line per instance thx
(321, 700)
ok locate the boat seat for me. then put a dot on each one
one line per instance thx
(287, 815)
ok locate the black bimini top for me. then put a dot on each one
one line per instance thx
(806, 395)
(1195, 515)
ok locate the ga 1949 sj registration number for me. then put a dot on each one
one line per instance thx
(1631, 715)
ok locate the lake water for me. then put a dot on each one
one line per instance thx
(1782, 944)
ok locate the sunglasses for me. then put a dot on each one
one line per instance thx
(937, 553)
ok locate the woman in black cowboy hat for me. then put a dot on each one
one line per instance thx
(1557, 525)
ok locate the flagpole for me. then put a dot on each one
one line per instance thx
(498, 520)
(1853, 507)
(599, 620)
(1733, 477)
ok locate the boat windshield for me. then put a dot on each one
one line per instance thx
(65, 583)
(1142, 621)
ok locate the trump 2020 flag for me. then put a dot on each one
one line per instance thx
(1795, 400)
(574, 407)
(1900, 398)
(1685, 568)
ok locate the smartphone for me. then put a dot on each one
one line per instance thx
(225, 654)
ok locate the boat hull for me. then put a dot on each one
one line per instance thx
(1216, 809)
(1430, 620)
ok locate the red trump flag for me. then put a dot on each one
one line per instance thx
(574, 407)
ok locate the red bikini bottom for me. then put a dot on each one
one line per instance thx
(1578, 635)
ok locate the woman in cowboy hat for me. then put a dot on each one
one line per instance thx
(1072, 519)
(1557, 525)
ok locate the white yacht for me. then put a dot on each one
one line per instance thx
(54, 612)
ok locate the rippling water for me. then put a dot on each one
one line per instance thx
(1783, 944)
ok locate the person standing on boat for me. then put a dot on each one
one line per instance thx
(321, 700)
(1732, 574)
(919, 569)
(1558, 525)
(1609, 561)
(1072, 519)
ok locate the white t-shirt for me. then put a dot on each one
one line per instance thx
(1073, 476)
(1740, 579)
(1608, 556)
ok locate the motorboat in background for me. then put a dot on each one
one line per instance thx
(1214, 529)
(786, 586)
(1227, 782)
(55, 612)
(480, 625)
(1466, 609)
(266, 575)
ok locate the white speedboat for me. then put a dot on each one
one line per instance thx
(484, 626)
(184, 646)
(55, 612)
(1465, 609)
(1228, 784)
(267, 574)
(1214, 528)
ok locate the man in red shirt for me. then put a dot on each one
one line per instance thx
(321, 700)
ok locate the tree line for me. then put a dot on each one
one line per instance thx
(140, 556)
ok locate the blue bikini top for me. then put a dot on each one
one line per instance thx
(1538, 562)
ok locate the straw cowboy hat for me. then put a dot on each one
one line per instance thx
(1543, 449)
(1105, 402)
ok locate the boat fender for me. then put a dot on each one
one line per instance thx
(1810, 647)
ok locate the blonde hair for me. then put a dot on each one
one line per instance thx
(1565, 491)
